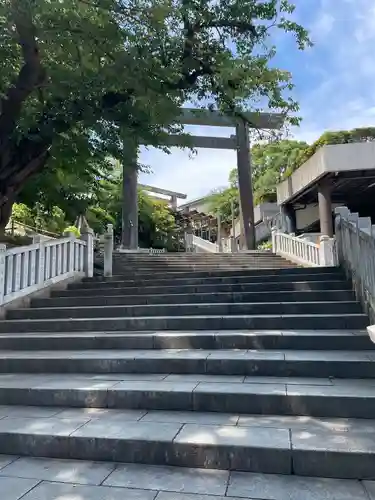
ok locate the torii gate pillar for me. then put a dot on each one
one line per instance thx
(245, 183)
(129, 233)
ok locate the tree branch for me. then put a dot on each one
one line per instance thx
(240, 26)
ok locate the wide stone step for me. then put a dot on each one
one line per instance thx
(137, 257)
(226, 309)
(289, 363)
(347, 399)
(205, 298)
(196, 289)
(281, 340)
(202, 269)
(58, 479)
(281, 264)
(318, 447)
(266, 278)
(356, 321)
(145, 273)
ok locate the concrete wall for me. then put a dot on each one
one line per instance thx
(307, 216)
(334, 158)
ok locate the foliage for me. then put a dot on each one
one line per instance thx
(366, 134)
(156, 222)
(74, 230)
(270, 163)
(53, 221)
(77, 76)
(222, 201)
(274, 161)
(266, 245)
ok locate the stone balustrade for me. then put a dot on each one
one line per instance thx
(27, 269)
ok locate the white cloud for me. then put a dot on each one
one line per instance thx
(345, 96)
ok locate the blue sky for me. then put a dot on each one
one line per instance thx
(335, 87)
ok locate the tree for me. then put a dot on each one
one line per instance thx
(366, 134)
(221, 202)
(272, 162)
(78, 75)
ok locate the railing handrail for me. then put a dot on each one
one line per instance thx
(28, 268)
(297, 238)
(304, 252)
(356, 254)
(205, 244)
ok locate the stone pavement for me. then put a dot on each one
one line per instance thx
(49, 479)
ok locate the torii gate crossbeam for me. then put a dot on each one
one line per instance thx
(240, 143)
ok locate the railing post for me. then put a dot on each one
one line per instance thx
(219, 242)
(108, 250)
(274, 239)
(3, 250)
(71, 249)
(327, 256)
(87, 235)
(41, 263)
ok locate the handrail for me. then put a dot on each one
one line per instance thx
(297, 250)
(26, 269)
(205, 245)
(304, 252)
(356, 254)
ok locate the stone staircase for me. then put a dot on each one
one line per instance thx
(237, 361)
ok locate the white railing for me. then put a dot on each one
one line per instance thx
(204, 245)
(24, 270)
(304, 252)
(356, 254)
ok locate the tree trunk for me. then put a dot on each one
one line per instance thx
(18, 167)
(5, 213)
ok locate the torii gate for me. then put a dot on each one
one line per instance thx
(239, 142)
(174, 196)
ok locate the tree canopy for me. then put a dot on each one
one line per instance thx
(76, 76)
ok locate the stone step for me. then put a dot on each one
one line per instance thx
(356, 321)
(258, 362)
(266, 278)
(203, 259)
(210, 262)
(248, 264)
(137, 257)
(275, 286)
(145, 273)
(133, 438)
(204, 268)
(205, 298)
(281, 340)
(343, 399)
(227, 309)
(63, 479)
